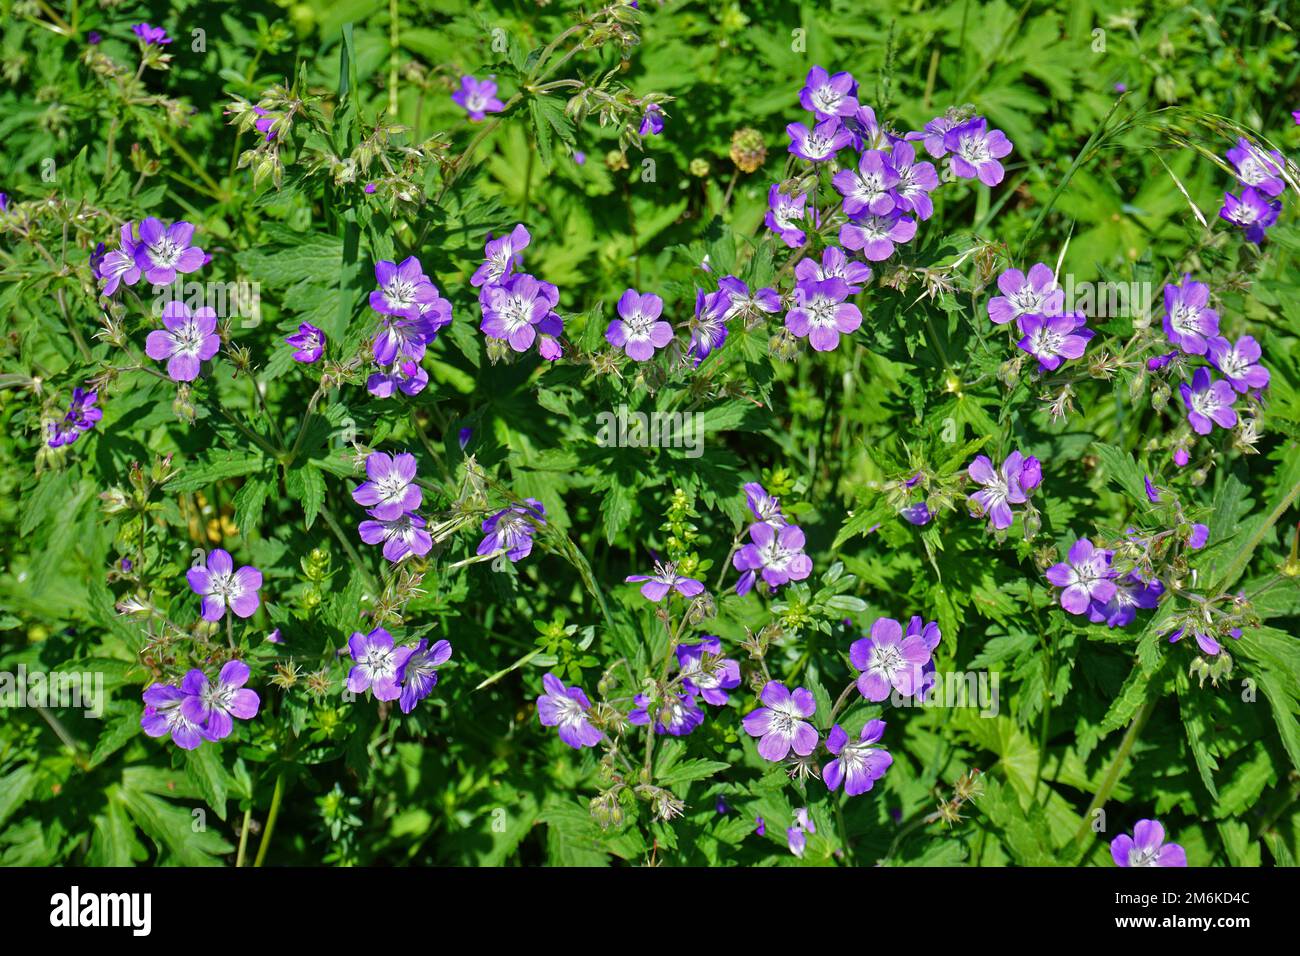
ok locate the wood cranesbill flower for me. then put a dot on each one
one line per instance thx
(776, 554)
(221, 586)
(510, 531)
(378, 664)
(1084, 577)
(403, 289)
(150, 35)
(1204, 640)
(477, 97)
(186, 341)
(677, 715)
(401, 536)
(708, 326)
(1239, 363)
(501, 256)
(308, 343)
(1252, 211)
(164, 251)
(763, 506)
(389, 490)
(1146, 847)
(889, 660)
(652, 121)
(639, 331)
(566, 709)
(664, 579)
(747, 305)
(876, 236)
(403, 375)
(932, 136)
(120, 265)
(164, 715)
(1003, 487)
(781, 723)
(1131, 593)
(821, 314)
(419, 675)
(1208, 402)
(1054, 339)
(834, 265)
(858, 765)
(80, 417)
(827, 95)
(1258, 169)
(976, 150)
(869, 187)
(704, 671)
(915, 180)
(820, 143)
(1034, 294)
(786, 216)
(214, 705)
(515, 308)
(1189, 321)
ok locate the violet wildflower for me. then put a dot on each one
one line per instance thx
(81, 417)
(566, 709)
(1199, 535)
(186, 341)
(402, 374)
(1035, 294)
(781, 724)
(164, 714)
(151, 35)
(829, 95)
(775, 553)
(1253, 212)
(120, 265)
(477, 97)
(1003, 487)
(857, 765)
(401, 536)
(515, 308)
(708, 327)
(797, 840)
(876, 236)
(1208, 403)
(976, 150)
(869, 188)
(378, 664)
(1085, 576)
(463, 437)
(745, 304)
(889, 660)
(1146, 847)
(918, 514)
(1160, 361)
(760, 827)
(1131, 593)
(221, 586)
(1153, 493)
(663, 580)
(652, 121)
(834, 265)
(704, 671)
(501, 256)
(403, 289)
(1239, 363)
(266, 124)
(639, 330)
(308, 343)
(764, 507)
(510, 531)
(934, 136)
(865, 130)
(915, 181)
(1188, 320)
(1258, 169)
(212, 706)
(419, 675)
(93, 38)
(1205, 641)
(163, 251)
(389, 490)
(1053, 339)
(821, 313)
(786, 215)
(677, 715)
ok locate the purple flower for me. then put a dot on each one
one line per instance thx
(664, 579)
(566, 708)
(1035, 294)
(1002, 487)
(390, 489)
(93, 38)
(976, 150)
(764, 507)
(1253, 212)
(829, 95)
(748, 305)
(419, 674)
(463, 437)
(378, 664)
(677, 715)
(869, 188)
(760, 827)
(403, 374)
(821, 313)
(917, 514)
(515, 308)
(1086, 576)
(934, 136)
(477, 98)
(1131, 593)
(652, 121)
(267, 125)
(834, 265)
(151, 35)
(1239, 363)
(212, 706)
(81, 417)
(1208, 403)
(309, 343)
(708, 327)
(511, 530)
(120, 265)
(858, 765)
(889, 660)
(776, 554)
(1053, 339)
(186, 341)
(1188, 321)
(866, 132)
(1204, 640)
(501, 256)
(401, 536)
(164, 251)
(164, 714)
(639, 330)
(1200, 534)
(915, 181)
(369, 189)
(786, 216)
(876, 236)
(404, 290)
(779, 724)
(797, 840)
(1258, 169)
(1146, 847)
(221, 586)
(1160, 361)
(1153, 493)
(704, 671)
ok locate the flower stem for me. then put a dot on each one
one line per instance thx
(276, 796)
(1116, 769)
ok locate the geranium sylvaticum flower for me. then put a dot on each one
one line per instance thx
(164, 251)
(222, 587)
(378, 664)
(566, 709)
(652, 121)
(1131, 593)
(781, 723)
(821, 142)
(1253, 211)
(150, 35)
(834, 264)
(889, 660)
(876, 236)
(81, 417)
(1257, 168)
(976, 150)
(828, 95)
(213, 705)
(515, 307)
(389, 489)
(1204, 640)
(915, 180)
(638, 330)
(870, 187)
(510, 531)
(1239, 363)
(1189, 322)
(477, 97)
(743, 303)
(1052, 339)
(786, 216)
(932, 136)
(1034, 294)
(1208, 402)
(1084, 577)
(857, 764)
(664, 579)
(704, 671)
(400, 536)
(419, 674)
(186, 341)
(403, 288)
(1003, 487)
(1146, 847)
(308, 343)
(501, 256)
(708, 327)
(402, 375)
(164, 714)
(776, 554)
(763, 506)
(821, 313)
(120, 265)
(676, 715)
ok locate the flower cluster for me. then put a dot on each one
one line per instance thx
(391, 494)
(1259, 181)
(406, 674)
(81, 417)
(510, 530)
(518, 308)
(198, 709)
(775, 548)
(411, 314)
